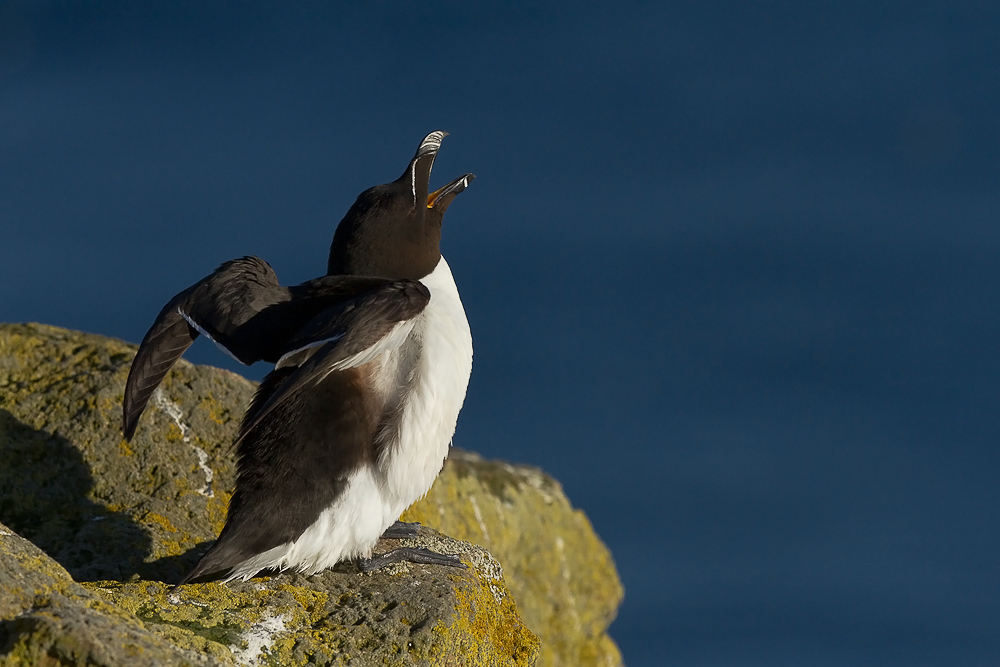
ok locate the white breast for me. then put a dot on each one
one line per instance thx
(423, 384)
(438, 362)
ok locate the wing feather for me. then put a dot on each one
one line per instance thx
(218, 306)
(341, 337)
(162, 346)
(243, 309)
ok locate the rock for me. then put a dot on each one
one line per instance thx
(104, 508)
(407, 615)
(561, 574)
(126, 516)
(47, 619)
(403, 615)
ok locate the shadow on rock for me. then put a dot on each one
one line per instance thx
(170, 569)
(44, 483)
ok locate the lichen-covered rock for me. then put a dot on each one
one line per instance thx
(104, 508)
(560, 573)
(403, 615)
(144, 511)
(48, 619)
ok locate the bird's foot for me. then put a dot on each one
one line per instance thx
(401, 530)
(411, 554)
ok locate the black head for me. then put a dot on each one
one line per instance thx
(394, 230)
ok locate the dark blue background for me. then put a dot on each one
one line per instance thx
(731, 269)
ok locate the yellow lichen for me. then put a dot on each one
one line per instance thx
(160, 520)
(566, 596)
(214, 409)
(174, 433)
(217, 508)
(124, 448)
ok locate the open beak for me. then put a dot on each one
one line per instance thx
(418, 173)
(441, 198)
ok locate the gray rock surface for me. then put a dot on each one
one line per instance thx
(48, 619)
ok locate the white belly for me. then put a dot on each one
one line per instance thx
(423, 383)
(418, 441)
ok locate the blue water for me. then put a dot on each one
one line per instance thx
(732, 271)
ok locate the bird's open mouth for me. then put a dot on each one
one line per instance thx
(447, 193)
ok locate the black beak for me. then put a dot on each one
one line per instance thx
(430, 144)
(418, 173)
(441, 198)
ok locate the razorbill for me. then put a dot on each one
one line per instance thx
(371, 366)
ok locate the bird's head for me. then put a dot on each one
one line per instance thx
(394, 230)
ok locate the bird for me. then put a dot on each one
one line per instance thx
(371, 367)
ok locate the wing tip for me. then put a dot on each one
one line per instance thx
(200, 569)
(214, 565)
(128, 429)
(186, 579)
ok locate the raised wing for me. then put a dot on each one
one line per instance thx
(243, 309)
(216, 306)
